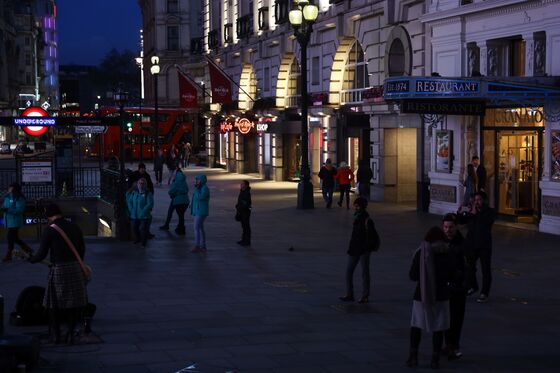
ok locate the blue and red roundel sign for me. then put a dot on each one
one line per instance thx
(36, 129)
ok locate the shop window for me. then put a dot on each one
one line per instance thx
(396, 59)
(173, 38)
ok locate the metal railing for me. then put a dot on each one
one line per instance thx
(352, 96)
(293, 101)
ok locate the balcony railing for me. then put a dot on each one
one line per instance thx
(293, 101)
(244, 26)
(281, 11)
(213, 39)
(197, 45)
(228, 31)
(263, 18)
(352, 96)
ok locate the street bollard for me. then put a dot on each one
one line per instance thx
(1, 315)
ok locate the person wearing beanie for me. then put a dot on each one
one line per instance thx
(66, 293)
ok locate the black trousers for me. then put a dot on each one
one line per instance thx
(13, 237)
(159, 175)
(457, 316)
(245, 226)
(344, 189)
(141, 228)
(351, 266)
(180, 209)
(485, 256)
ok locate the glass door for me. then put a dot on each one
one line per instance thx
(518, 173)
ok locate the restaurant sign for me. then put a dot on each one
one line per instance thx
(551, 206)
(443, 193)
(444, 107)
(423, 87)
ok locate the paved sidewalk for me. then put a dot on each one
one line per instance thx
(269, 308)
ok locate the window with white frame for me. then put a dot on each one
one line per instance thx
(355, 71)
(294, 88)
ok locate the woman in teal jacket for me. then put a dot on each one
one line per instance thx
(179, 193)
(13, 208)
(140, 202)
(199, 211)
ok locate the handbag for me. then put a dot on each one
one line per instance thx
(88, 272)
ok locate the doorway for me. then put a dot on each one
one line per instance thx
(518, 169)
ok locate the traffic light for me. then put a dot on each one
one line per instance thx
(129, 125)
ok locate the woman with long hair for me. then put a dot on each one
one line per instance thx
(13, 208)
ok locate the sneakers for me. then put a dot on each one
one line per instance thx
(454, 354)
(483, 298)
(471, 291)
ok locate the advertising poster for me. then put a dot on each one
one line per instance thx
(443, 150)
(36, 172)
(555, 154)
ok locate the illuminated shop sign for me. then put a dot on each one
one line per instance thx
(262, 127)
(244, 125)
(446, 86)
(34, 121)
(225, 127)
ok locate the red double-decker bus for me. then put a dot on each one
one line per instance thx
(175, 126)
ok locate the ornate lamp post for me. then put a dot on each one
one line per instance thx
(140, 63)
(121, 98)
(302, 19)
(154, 70)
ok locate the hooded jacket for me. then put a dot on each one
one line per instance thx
(13, 211)
(179, 191)
(200, 198)
(140, 204)
(345, 175)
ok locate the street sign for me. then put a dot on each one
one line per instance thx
(90, 129)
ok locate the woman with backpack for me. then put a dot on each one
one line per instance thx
(363, 241)
(13, 208)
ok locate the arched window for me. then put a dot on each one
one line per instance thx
(356, 77)
(396, 58)
(294, 88)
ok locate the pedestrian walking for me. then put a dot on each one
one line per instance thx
(359, 251)
(140, 202)
(158, 166)
(187, 151)
(345, 177)
(327, 174)
(66, 293)
(200, 210)
(431, 269)
(13, 208)
(480, 173)
(243, 212)
(363, 177)
(471, 185)
(479, 219)
(179, 193)
(457, 288)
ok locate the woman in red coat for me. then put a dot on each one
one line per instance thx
(345, 176)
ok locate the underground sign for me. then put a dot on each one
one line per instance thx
(34, 121)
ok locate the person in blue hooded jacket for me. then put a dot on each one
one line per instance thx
(140, 202)
(179, 193)
(13, 208)
(199, 210)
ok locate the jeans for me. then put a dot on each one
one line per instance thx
(199, 234)
(352, 263)
(485, 256)
(141, 227)
(328, 195)
(344, 189)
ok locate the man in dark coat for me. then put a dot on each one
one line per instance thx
(326, 174)
(66, 294)
(479, 220)
(243, 208)
(363, 176)
(457, 289)
(141, 173)
(480, 173)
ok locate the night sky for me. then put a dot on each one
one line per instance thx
(87, 30)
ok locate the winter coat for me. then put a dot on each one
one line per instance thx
(179, 191)
(200, 198)
(327, 175)
(140, 205)
(443, 270)
(457, 283)
(358, 240)
(13, 211)
(137, 175)
(481, 176)
(345, 175)
(244, 201)
(364, 174)
(470, 189)
(158, 162)
(479, 235)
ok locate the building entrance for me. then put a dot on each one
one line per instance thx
(518, 174)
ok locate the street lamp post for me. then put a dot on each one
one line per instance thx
(121, 98)
(302, 18)
(154, 70)
(140, 63)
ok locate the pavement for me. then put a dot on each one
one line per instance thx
(273, 307)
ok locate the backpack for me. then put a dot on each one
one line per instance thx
(372, 237)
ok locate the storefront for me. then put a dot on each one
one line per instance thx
(511, 126)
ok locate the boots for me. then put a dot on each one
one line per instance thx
(180, 230)
(412, 358)
(435, 361)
